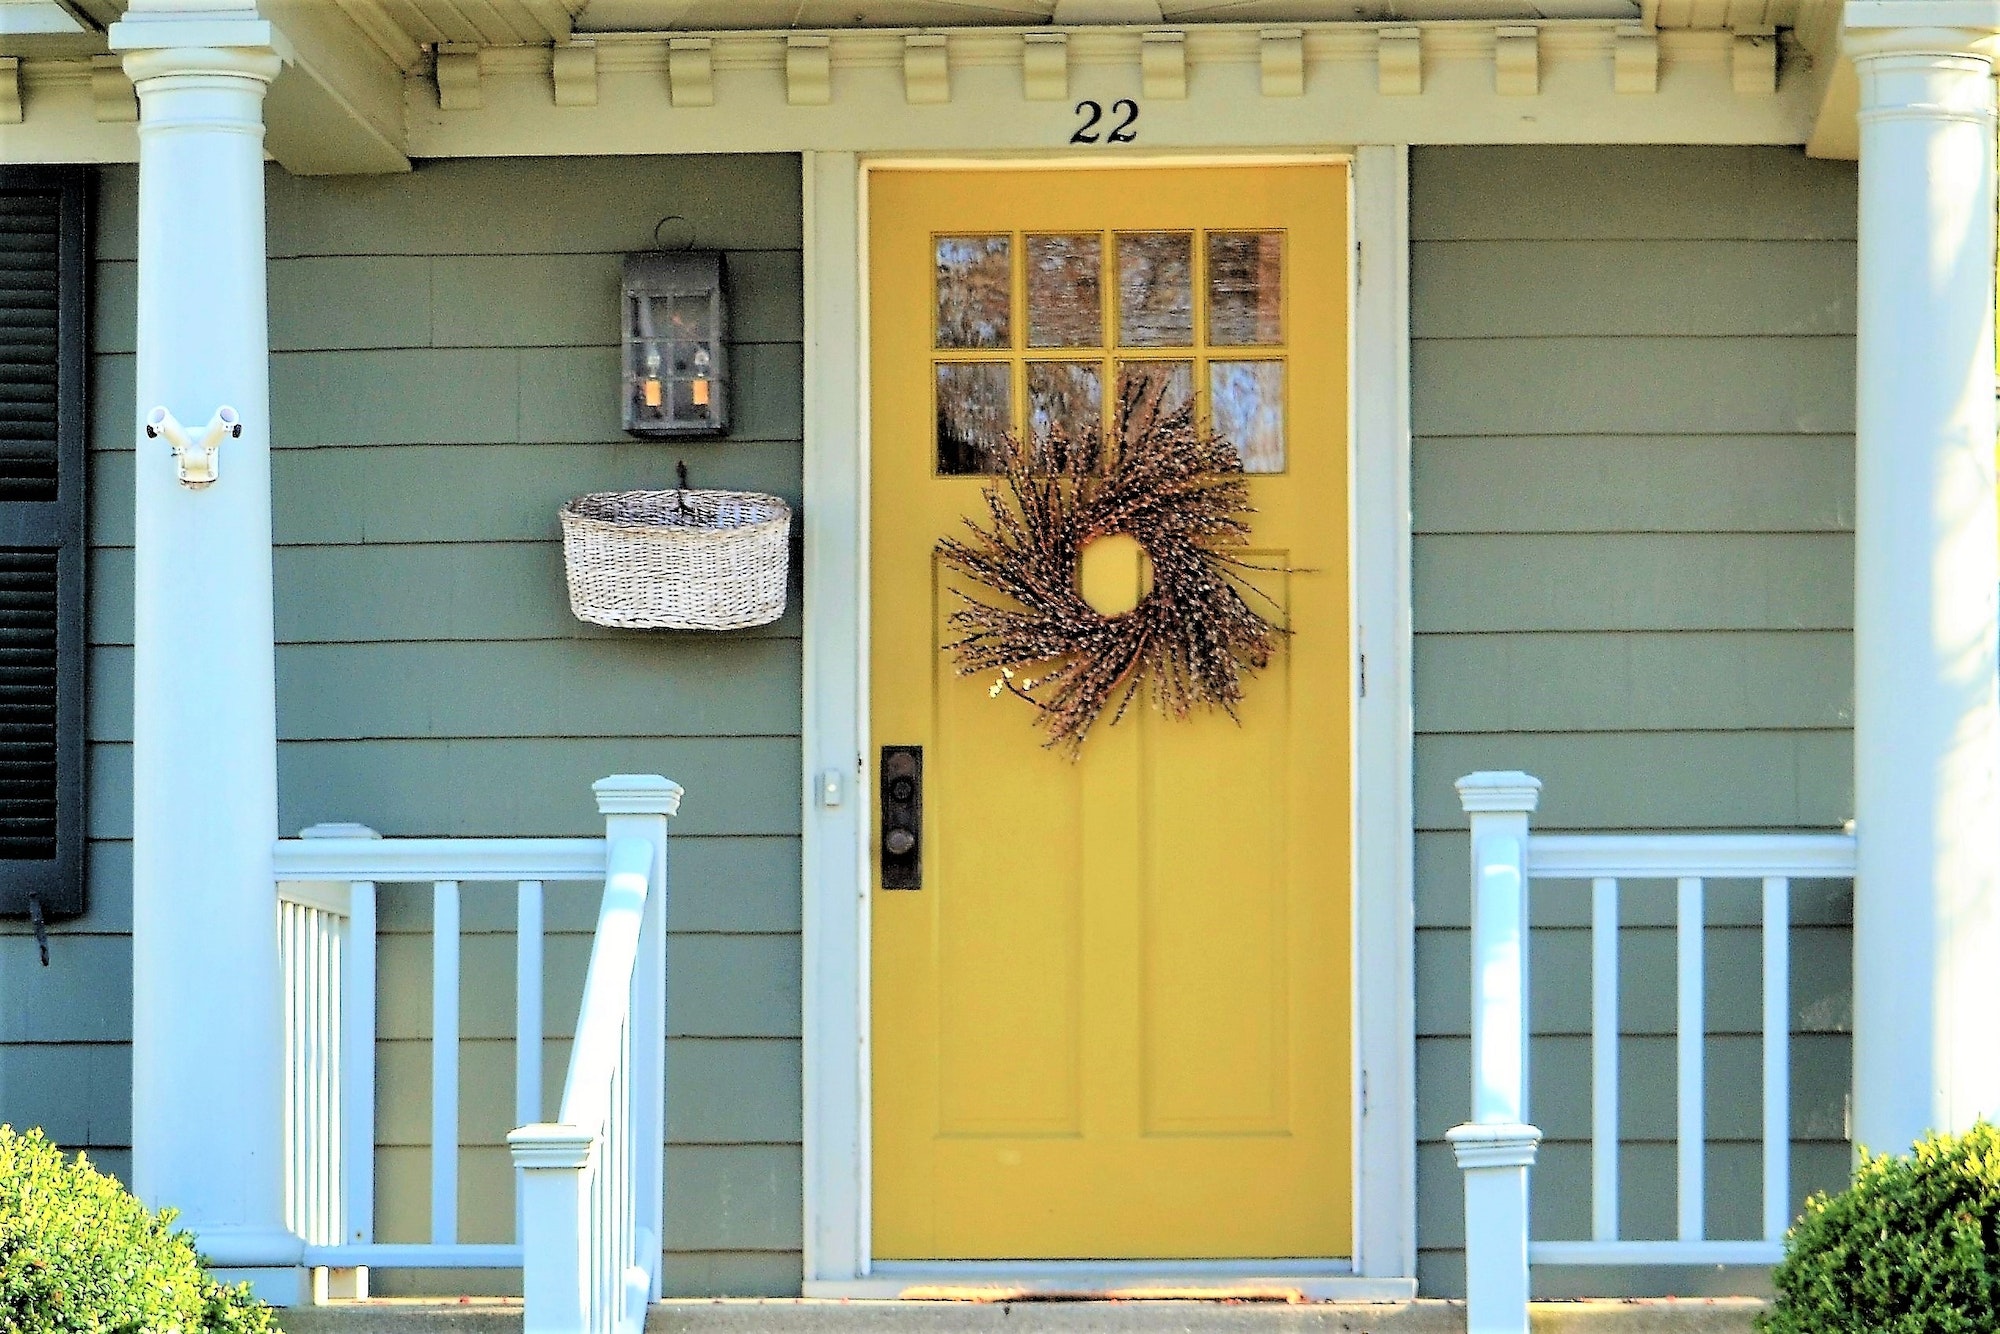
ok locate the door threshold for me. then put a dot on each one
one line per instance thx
(1119, 1280)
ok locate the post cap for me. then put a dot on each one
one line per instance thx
(550, 1145)
(637, 794)
(1484, 1144)
(1499, 790)
(338, 829)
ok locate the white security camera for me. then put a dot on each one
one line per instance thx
(196, 459)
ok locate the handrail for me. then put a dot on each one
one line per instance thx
(1709, 856)
(414, 860)
(607, 988)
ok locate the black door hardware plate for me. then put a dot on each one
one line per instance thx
(902, 817)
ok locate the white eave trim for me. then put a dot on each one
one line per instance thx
(1013, 90)
(1239, 89)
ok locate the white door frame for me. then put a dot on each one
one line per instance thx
(838, 1260)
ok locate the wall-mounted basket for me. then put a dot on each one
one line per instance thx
(677, 560)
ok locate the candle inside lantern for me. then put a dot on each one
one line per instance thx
(700, 387)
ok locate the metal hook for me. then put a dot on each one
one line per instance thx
(680, 495)
(658, 244)
(41, 926)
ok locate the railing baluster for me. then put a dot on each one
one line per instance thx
(528, 1003)
(527, 1019)
(1777, 1057)
(444, 1062)
(295, 1145)
(321, 939)
(1604, 1029)
(331, 1222)
(1692, 1033)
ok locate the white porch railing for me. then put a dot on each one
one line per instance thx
(327, 883)
(1496, 1148)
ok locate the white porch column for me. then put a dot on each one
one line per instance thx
(207, 1051)
(1927, 724)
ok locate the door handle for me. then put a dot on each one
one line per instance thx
(902, 817)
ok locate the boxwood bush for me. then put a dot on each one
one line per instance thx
(1912, 1247)
(78, 1255)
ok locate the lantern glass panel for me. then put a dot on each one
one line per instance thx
(676, 375)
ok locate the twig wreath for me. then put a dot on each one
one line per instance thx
(1175, 488)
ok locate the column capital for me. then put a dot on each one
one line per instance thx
(198, 37)
(1966, 28)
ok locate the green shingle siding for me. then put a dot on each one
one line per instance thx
(443, 376)
(1633, 503)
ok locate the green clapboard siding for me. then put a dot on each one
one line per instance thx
(1633, 511)
(443, 377)
(1633, 507)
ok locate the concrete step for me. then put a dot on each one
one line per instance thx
(813, 1316)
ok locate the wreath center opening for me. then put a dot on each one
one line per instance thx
(1113, 574)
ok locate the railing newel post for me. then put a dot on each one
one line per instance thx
(640, 806)
(1496, 1148)
(554, 1164)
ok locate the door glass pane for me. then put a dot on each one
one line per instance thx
(975, 411)
(975, 287)
(1156, 289)
(1069, 394)
(1065, 302)
(1243, 285)
(1149, 390)
(1247, 408)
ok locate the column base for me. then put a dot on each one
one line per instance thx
(278, 1286)
(339, 1285)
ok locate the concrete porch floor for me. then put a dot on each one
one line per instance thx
(1733, 1315)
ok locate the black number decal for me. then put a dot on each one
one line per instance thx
(1083, 133)
(1124, 134)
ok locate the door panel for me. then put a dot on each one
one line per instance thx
(1114, 1022)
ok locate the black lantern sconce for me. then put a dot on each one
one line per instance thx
(676, 367)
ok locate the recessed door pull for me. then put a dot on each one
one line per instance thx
(902, 817)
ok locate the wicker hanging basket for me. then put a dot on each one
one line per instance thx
(677, 560)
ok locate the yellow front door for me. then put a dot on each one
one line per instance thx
(1113, 1020)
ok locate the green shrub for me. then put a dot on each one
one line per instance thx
(1912, 1247)
(78, 1255)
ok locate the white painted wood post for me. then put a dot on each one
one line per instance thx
(638, 806)
(207, 1045)
(1497, 1147)
(1927, 720)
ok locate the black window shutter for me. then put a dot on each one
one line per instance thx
(43, 303)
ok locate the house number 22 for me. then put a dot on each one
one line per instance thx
(1093, 113)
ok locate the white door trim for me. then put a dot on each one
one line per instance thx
(834, 825)
(1385, 1163)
